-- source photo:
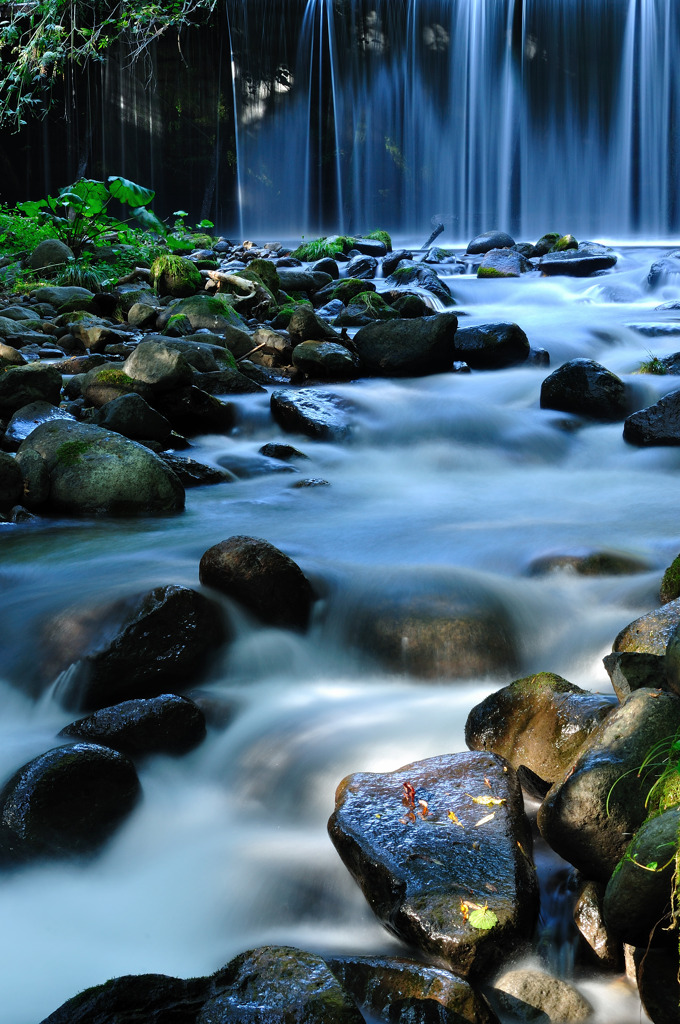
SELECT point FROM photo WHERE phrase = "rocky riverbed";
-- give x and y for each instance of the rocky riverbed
(260, 525)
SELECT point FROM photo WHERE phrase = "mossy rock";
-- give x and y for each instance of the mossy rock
(213, 312)
(321, 248)
(670, 584)
(266, 271)
(363, 308)
(175, 275)
(380, 236)
(348, 289)
(564, 243)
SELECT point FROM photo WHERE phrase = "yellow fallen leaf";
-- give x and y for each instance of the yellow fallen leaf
(455, 819)
(483, 821)
(487, 801)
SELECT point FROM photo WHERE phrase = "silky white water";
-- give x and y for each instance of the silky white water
(446, 480)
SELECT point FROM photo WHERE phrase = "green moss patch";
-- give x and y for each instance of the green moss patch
(71, 452)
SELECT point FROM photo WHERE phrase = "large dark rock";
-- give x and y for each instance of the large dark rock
(316, 413)
(491, 346)
(503, 263)
(134, 418)
(410, 276)
(90, 470)
(136, 999)
(384, 985)
(326, 360)
(65, 298)
(191, 411)
(590, 813)
(541, 721)
(656, 425)
(22, 385)
(638, 900)
(408, 348)
(424, 867)
(306, 325)
(651, 632)
(278, 985)
(586, 388)
(583, 261)
(11, 481)
(140, 646)
(631, 670)
(604, 949)
(159, 366)
(656, 973)
(666, 269)
(67, 801)
(226, 382)
(259, 576)
(487, 241)
(168, 724)
(49, 257)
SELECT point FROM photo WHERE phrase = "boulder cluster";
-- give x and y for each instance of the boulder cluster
(99, 391)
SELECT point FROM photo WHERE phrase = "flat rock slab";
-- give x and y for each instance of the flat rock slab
(590, 814)
(313, 412)
(428, 846)
(573, 263)
(536, 996)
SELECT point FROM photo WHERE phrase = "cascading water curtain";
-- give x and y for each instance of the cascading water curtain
(527, 115)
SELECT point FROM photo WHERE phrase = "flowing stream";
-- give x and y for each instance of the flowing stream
(447, 481)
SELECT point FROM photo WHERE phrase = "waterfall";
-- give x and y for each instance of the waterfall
(530, 115)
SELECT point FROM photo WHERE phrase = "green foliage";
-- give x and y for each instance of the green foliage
(322, 248)
(653, 365)
(70, 452)
(380, 236)
(41, 41)
(78, 213)
(81, 275)
(483, 918)
(115, 378)
(177, 271)
(20, 235)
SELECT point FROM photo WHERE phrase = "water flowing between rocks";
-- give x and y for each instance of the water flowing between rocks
(447, 481)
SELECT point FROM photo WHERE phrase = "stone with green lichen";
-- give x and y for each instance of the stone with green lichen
(564, 243)
(380, 236)
(266, 271)
(175, 275)
(321, 248)
(363, 308)
(670, 584)
(650, 633)
(545, 243)
(94, 471)
(540, 721)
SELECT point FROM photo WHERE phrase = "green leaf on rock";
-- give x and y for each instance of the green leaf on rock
(483, 918)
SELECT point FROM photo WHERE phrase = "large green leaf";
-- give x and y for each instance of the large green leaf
(125, 191)
(149, 220)
(93, 194)
(32, 207)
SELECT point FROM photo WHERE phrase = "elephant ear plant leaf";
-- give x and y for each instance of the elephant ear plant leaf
(79, 212)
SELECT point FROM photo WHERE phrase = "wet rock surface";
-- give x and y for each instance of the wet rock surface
(408, 347)
(659, 424)
(541, 721)
(417, 865)
(590, 813)
(650, 633)
(65, 802)
(534, 996)
(167, 724)
(586, 388)
(315, 413)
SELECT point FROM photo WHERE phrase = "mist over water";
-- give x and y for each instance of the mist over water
(447, 482)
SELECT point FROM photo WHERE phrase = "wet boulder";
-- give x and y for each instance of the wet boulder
(658, 424)
(545, 243)
(590, 563)
(167, 724)
(151, 998)
(25, 420)
(656, 974)
(256, 574)
(140, 646)
(586, 388)
(65, 802)
(299, 279)
(631, 670)
(365, 267)
(346, 289)
(487, 241)
(503, 263)
(90, 470)
(590, 813)
(326, 360)
(409, 276)
(316, 413)
(650, 633)
(384, 986)
(604, 949)
(664, 270)
(534, 996)
(541, 721)
(134, 418)
(10, 356)
(22, 385)
(49, 257)
(491, 346)
(366, 307)
(209, 312)
(226, 382)
(434, 629)
(443, 859)
(278, 985)
(408, 348)
(175, 275)
(583, 261)
(192, 473)
(66, 298)
(639, 897)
